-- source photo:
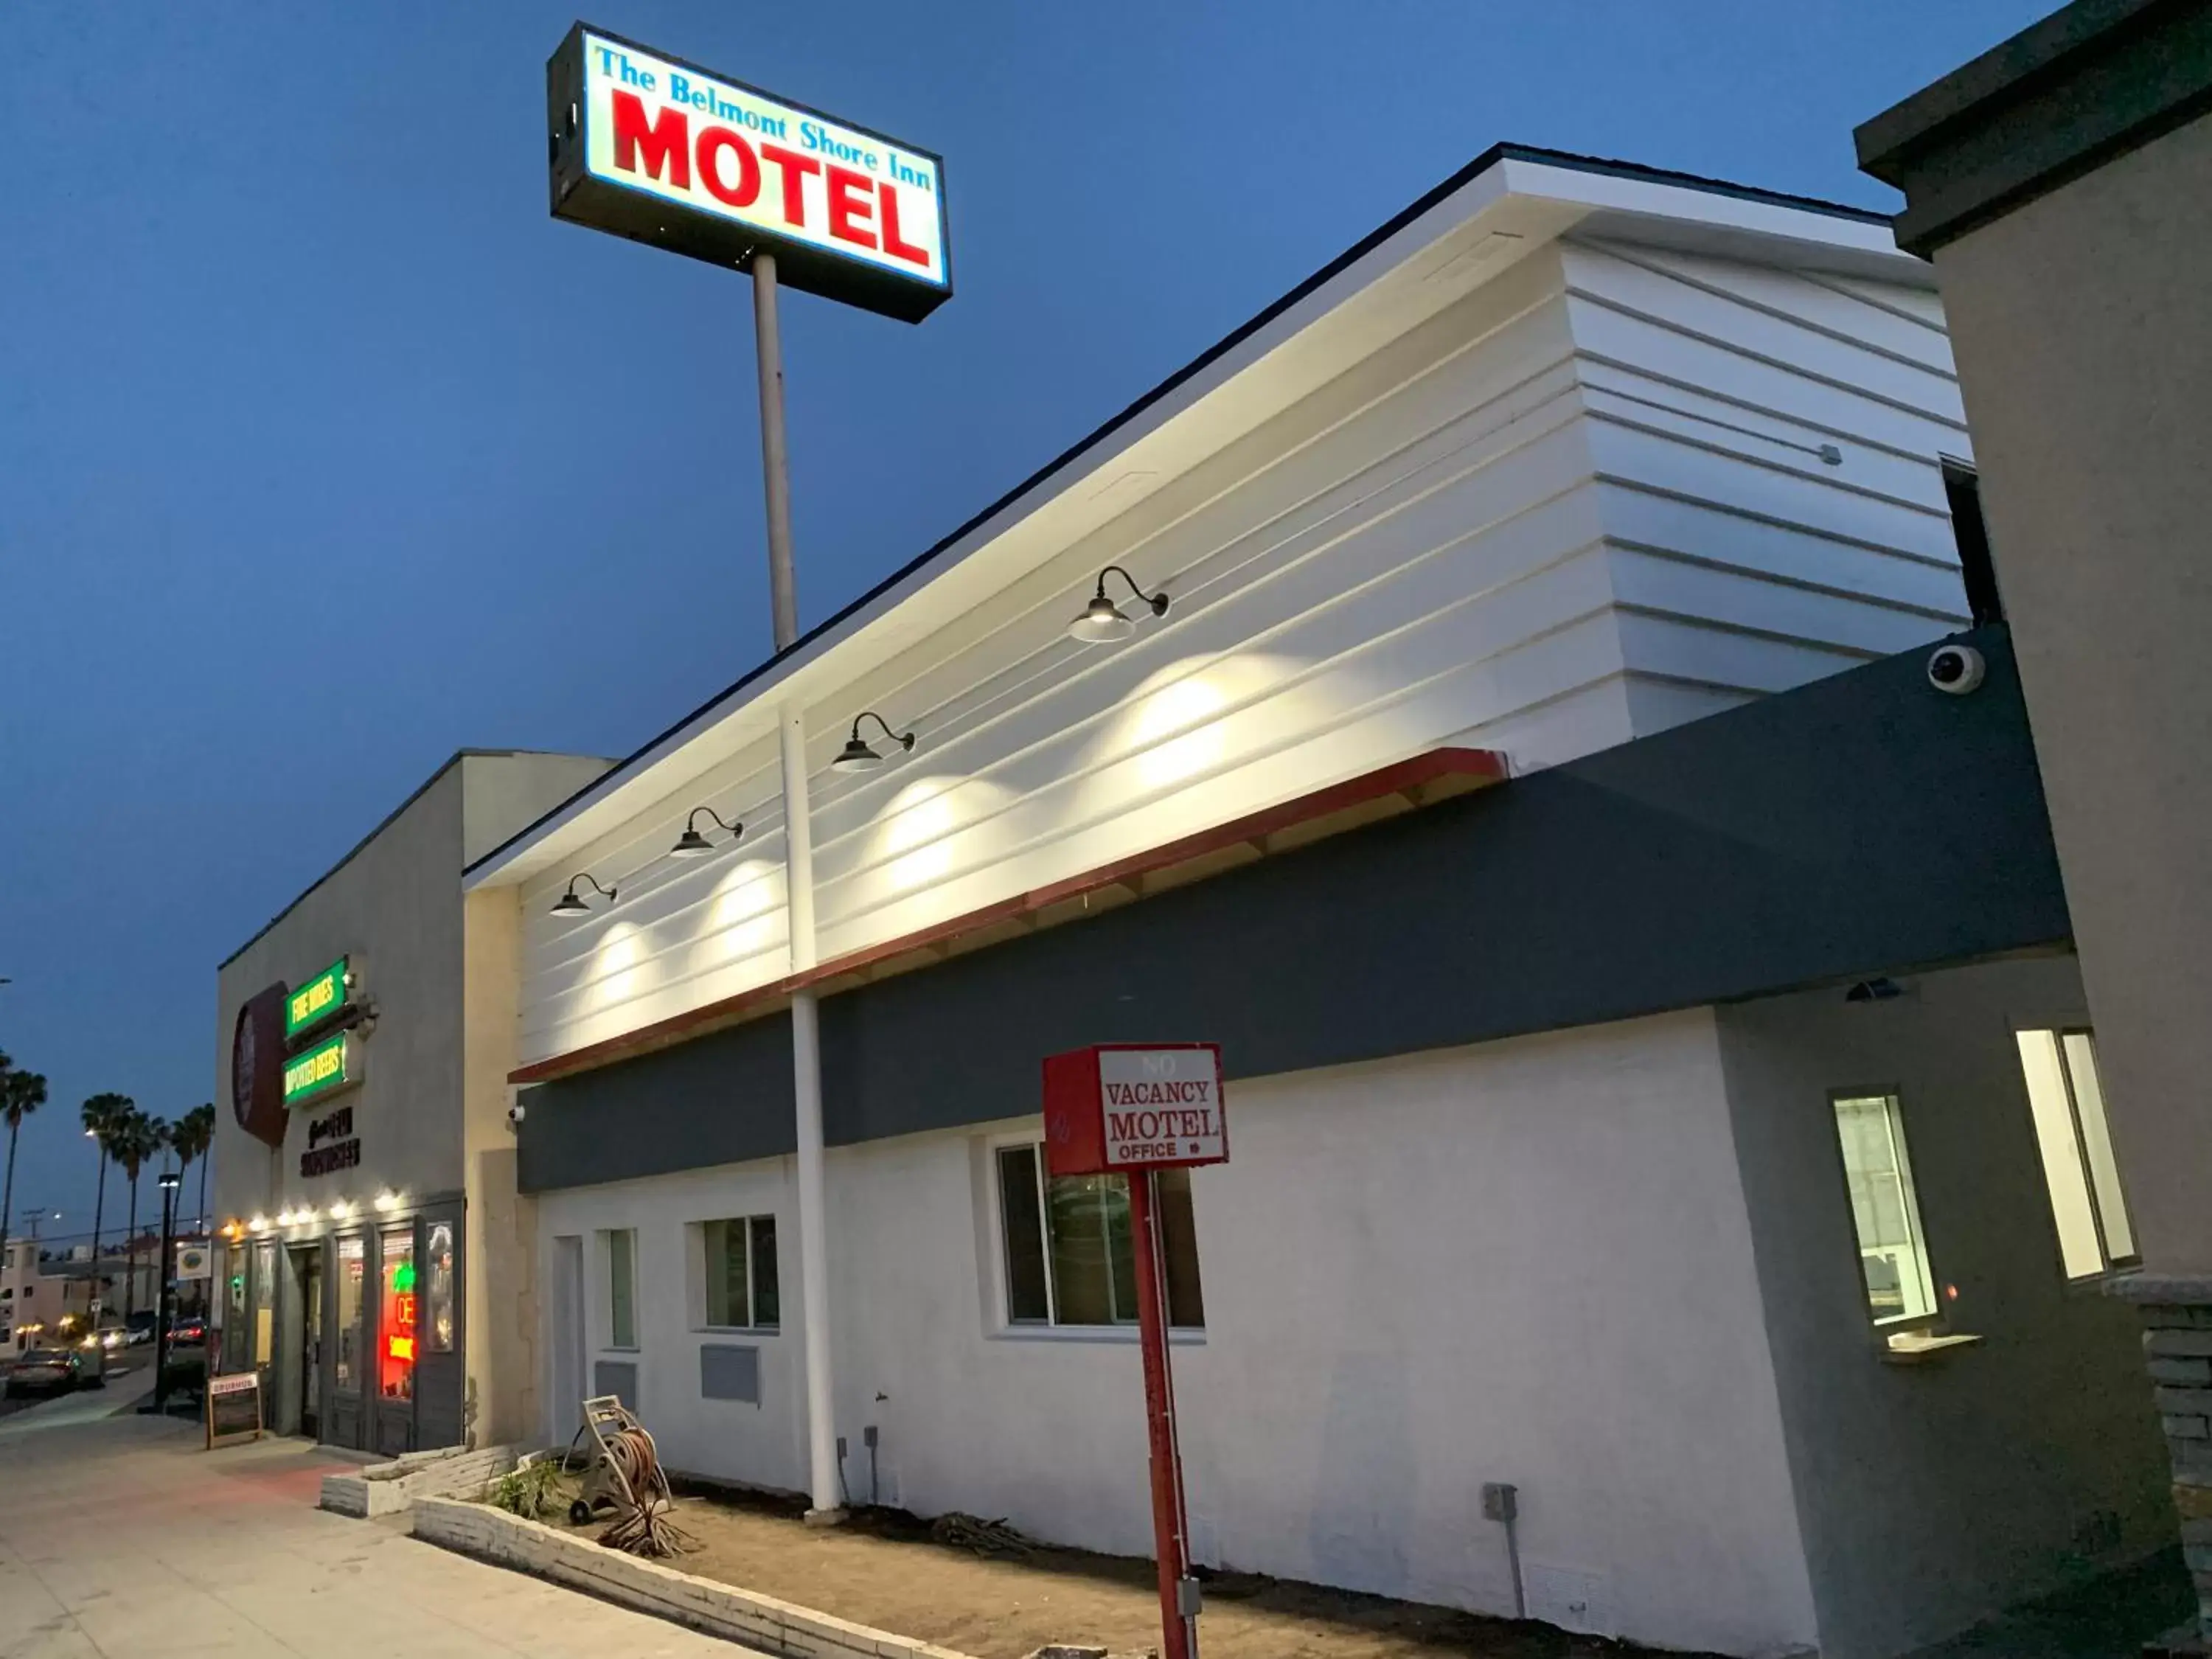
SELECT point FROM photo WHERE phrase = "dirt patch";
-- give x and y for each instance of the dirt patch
(883, 1568)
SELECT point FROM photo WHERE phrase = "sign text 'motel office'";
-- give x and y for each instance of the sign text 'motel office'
(1134, 1106)
(661, 151)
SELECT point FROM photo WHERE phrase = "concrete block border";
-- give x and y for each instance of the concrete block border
(737, 1615)
(392, 1488)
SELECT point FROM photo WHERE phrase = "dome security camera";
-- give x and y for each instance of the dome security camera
(1955, 669)
(515, 1114)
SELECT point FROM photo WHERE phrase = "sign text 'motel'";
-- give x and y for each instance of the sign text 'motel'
(1134, 1106)
(661, 151)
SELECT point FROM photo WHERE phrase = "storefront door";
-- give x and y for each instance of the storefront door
(309, 1263)
(348, 1422)
(398, 1334)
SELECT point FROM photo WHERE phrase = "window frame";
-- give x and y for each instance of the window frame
(1934, 1319)
(1050, 1329)
(696, 1247)
(606, 1240)
(2059, 1031)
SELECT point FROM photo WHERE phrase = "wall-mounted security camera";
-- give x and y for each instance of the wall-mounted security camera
(515, 1114)
(1956, 669)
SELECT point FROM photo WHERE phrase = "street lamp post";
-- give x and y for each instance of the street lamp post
(169, 1181)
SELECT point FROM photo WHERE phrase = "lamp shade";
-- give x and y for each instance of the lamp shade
(691, 845)
(857, 756)
(569, 905)
(1101, 623)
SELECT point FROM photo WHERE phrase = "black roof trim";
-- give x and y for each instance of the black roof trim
(386, 822)
(1600, 165)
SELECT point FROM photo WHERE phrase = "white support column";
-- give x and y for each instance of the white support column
(823, 1485)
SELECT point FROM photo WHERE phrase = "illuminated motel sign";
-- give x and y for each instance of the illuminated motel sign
(661, 151)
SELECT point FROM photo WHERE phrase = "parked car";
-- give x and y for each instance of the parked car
(140, 1325)
(187, 1331)
(50, 1370)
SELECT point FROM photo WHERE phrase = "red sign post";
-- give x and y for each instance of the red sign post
(1134, 1110)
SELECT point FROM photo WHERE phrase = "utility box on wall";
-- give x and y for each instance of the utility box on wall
(1123, 1106)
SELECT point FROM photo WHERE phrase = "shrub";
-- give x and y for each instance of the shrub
(532, 1493)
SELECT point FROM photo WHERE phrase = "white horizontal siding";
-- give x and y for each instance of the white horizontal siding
(1526, 525)
(1746, 560)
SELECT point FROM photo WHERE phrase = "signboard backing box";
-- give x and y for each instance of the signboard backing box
(1118, 1107)
(584, 196)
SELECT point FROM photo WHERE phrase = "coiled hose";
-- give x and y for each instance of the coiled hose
(646, 1528)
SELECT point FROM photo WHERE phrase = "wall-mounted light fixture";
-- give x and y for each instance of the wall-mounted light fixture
(572, 903)
(857, 756)
(692, 844)
(1101, 621)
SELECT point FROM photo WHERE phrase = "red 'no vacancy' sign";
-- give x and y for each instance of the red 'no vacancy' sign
(1134, 1106)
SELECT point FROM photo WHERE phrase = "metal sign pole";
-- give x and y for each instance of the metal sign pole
(1170, 1521)
(824, 1493)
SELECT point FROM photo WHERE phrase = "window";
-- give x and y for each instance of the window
(264, 1301)
(736, 1277)
(2067, 1100)
(397, 1314)
(1962, 494)
(438, 1304)
(1069, 1260)
(622, 1287)
(352, 1272)
(1893, 1251)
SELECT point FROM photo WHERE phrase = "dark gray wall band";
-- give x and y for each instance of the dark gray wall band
(1861, 825)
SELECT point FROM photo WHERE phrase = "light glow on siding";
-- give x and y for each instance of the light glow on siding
(741, 918)
(618, 965)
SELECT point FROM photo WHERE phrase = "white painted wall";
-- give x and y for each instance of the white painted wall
(1527, 1262)
(1482, 533)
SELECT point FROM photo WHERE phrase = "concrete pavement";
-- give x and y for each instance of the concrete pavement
(121, 1539)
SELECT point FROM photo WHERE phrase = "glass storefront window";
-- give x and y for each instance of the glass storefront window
(438, 1294)
(352, 1249)
(234, 1308)
(264, 1302)
(396, 1363)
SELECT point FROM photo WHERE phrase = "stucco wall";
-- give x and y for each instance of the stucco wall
(394, 906)
(1935, 1494)
(1525, 1261)
(2079, 325)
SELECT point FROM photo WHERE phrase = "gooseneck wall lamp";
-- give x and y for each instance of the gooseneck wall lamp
(692, 845)
(1103, 622)
(857, 757)
(572, 903)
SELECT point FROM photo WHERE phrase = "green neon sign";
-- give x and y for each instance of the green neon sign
(324, 1069)
(318, 999)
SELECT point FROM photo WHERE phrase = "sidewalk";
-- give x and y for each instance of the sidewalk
(121, 1539)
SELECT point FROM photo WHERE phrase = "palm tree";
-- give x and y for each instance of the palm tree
(138, 1137)
(100, 1114)
(192, 1137)
(21, 1093)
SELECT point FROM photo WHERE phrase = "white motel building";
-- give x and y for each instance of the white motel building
(1657, 1070)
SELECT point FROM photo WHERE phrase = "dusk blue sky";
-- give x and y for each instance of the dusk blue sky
(324, 451)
